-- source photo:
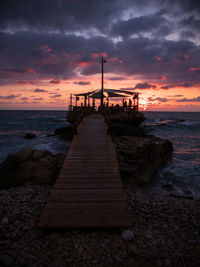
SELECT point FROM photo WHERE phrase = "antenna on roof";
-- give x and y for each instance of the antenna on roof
(103, 60)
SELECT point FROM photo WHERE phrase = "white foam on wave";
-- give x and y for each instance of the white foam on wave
(179, 171)
(190, 123)
(48, 147)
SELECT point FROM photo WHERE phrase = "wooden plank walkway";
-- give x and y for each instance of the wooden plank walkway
(88, 192)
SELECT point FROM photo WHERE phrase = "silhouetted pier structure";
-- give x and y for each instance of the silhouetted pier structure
(129, 100)
(88, 192)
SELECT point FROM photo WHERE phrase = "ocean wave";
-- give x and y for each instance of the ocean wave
(190, 123)
(181, 172)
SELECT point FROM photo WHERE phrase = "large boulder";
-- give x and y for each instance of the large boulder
(132, 118)
(140, 158)
(121, 129)
(35, 166)
(65, 133)
(30, 136)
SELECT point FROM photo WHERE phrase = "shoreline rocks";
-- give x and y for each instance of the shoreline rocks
(65, 133)
(164, 231)
(30, 136)
(35, 166)
(140, 158)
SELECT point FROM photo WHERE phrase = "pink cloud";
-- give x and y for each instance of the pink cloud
(45, 48)
(163, 78)
(97, 55)
(194, 69)
(158, 58)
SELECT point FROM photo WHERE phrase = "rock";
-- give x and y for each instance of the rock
(197, 249)
(133, 250)
(51, 134)
(151, 255)
(140, 158)
(5, 220)
(6, 260)
(120, 129)
(168, 187)
(187, 191)
(106, 241)
(30, 136)
(167, 263)
(134, 119)
(65, 133)
(35, 166)
(127, 235)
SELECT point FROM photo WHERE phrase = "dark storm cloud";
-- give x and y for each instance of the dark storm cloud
(186, 5)
(162, 99)
(48, 46)
(187, 34)
(82, 83)
(191, 22)
(62, 14)
(184, 84)
(142, 24)
(10, 96)
(145, 86)
(68, 52)
(56, 95)
(117, 78)
(55, 81)
(38, 98)
(38, 90)
(159, 99)
(196, 99)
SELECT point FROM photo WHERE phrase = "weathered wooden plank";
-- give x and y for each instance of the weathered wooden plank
(84, 223)
(62, 196)
(78, 210)
(78, 180)
(88, 192)
(62, 185)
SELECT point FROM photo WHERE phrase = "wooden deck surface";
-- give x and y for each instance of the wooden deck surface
(88, 192)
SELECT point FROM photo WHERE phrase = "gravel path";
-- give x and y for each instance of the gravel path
(165, 232)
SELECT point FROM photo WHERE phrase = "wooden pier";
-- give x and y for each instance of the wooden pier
(88, 192)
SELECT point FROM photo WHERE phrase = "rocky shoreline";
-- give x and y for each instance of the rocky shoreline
(164, 231)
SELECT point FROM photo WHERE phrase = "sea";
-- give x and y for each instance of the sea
(15, 124)
(181, 128)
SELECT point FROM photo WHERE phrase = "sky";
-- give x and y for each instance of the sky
(51, 48)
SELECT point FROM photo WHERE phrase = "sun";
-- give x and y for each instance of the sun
(143, 103)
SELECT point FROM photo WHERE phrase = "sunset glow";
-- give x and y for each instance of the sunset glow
(147, 51)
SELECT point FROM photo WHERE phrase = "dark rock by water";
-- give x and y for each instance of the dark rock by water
(30, 136)
(140, 158)
(35, 166)
(65, 133)
(134, 119)
(120, 129)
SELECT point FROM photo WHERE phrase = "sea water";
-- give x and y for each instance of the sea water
(15, 124)
(181, 128)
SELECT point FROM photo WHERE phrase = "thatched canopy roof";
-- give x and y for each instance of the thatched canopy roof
(108, 93)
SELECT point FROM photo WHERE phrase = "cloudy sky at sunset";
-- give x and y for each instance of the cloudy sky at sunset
(51, 48)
